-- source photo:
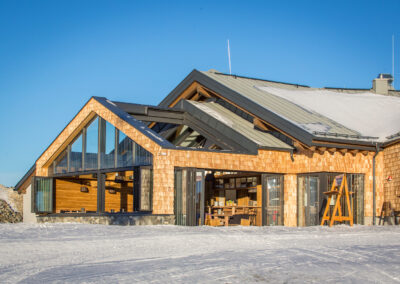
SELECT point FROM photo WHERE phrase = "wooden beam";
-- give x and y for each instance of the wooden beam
(203, 91)
(312, 148)
(321, 150)
(354, 152)
(343, 151)
(332, 150)
(365, 153)
(298, 145)
(258, 123)
(186, 93)
(196, 97)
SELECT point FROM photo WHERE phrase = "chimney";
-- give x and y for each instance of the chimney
(382, 84)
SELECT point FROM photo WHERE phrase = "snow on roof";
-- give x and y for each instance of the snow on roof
(368, 113)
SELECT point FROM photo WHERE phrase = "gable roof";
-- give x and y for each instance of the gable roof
(293, 108)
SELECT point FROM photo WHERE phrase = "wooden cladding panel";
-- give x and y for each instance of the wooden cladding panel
(68, 196)
(121, 199)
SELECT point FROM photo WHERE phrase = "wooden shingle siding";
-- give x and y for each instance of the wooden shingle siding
(392, 169)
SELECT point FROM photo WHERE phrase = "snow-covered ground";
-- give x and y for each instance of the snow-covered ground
(71, 253)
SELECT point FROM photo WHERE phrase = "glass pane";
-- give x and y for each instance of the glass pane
(43, 195)
(92, 134)
(125, 151)
(142, 157)
(313, 191)
(274, 196)
(61, 163)
(108, 151)
(198, 191)
(357, 186)
(119, 192)
(313, 209)
(146, 189)
(76, 155)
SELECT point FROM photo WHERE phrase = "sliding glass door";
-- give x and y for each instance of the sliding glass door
(189, 197)
(273, 200)
(308, 201)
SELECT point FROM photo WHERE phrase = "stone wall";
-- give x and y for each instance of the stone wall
(111, 219)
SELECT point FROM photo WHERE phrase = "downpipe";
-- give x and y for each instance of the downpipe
(374, 185)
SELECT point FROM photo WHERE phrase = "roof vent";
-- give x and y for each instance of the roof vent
(382, 84)
(213, 71)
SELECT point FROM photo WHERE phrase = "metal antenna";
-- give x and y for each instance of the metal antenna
(229, 58)
(393, 56)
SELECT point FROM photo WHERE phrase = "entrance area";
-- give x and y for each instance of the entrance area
(219, 198)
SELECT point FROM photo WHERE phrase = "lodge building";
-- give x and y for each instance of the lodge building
(222, 150)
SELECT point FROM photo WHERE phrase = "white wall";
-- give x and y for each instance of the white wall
(28, 216)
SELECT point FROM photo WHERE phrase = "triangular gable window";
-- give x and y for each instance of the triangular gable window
(100, 146)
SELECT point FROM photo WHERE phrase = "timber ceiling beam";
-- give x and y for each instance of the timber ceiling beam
(258, 123)
(365, 153)
(331, 150)
(354, 152)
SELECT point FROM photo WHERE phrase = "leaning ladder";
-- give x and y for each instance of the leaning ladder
(337, 210)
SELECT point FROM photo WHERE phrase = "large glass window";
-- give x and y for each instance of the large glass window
(92, 145)
(61, 163)
(124, 150)
(107, 151)
(101, 139)
(76, 155)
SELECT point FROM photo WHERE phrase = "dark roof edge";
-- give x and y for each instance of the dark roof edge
(184, 84)
(356, 143)
(137, 124)
(350, 89)
(390, 142)
(264, 80)
(25, 177)
(140, 108)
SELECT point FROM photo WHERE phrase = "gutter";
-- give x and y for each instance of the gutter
(374, 184)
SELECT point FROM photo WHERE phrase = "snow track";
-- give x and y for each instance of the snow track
(77, 253)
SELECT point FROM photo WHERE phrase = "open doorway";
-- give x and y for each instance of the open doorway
(221, 198)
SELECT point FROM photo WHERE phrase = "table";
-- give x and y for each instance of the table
(228, 211)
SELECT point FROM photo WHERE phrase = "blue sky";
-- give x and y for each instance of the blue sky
(55, 55)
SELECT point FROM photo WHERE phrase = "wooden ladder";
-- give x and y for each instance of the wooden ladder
(337, 215)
